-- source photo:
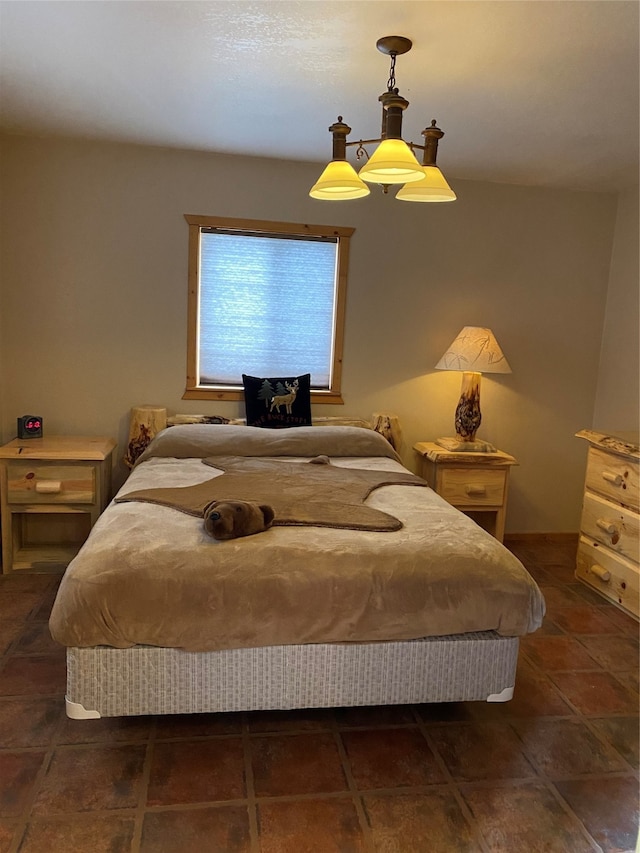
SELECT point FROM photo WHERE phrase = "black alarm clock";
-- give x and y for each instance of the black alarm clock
(30, 426)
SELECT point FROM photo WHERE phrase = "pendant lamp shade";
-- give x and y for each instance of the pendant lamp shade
(392, 163)
(339, 181)
(433, 187)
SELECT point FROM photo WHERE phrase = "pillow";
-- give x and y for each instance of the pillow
(278, 402)
(199, 441)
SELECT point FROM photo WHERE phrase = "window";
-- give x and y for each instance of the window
(266, 299)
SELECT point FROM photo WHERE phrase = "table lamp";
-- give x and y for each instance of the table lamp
(474, 351)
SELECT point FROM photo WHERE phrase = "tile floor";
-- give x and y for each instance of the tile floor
(555, 769)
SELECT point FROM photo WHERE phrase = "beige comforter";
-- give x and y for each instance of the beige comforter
(151, 575)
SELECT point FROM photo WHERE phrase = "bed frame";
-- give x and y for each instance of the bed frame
(109, 682)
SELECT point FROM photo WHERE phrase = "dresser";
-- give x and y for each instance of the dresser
(475, 483)
(52, 491)
(607, 558)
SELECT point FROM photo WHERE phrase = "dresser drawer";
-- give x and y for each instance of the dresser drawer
(611, 574)
(473, 486)
(42, 483)
(615, 526)
(613, 476)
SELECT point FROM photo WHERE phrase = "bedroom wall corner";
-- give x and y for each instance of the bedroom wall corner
(617, 404)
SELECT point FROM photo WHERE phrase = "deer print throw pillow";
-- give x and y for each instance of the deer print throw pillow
(278, 402)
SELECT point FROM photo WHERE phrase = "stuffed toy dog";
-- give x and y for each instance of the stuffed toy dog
(231, 519)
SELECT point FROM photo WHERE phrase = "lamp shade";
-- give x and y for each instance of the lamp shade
(475, 350)
(433, 187)
(339, 182)
(392, 163)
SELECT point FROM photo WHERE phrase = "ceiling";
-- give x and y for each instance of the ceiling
(533, 92)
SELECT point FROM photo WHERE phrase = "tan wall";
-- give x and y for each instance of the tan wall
(617, 400)
(93, 300)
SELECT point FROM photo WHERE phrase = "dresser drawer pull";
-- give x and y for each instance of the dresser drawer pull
(607, 526)
(475, 489)
(601, 572)
(610, 477)
(49, 487)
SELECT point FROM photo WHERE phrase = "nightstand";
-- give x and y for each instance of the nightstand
(475, 483)
(52, 491)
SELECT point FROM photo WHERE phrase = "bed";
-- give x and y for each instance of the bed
(160, 618)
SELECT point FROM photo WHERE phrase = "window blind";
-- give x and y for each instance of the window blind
(266, 306)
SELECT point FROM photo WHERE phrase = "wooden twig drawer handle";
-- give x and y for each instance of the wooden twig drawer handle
(610, 477)
(607, 526)
(476, 490)
(601, 572)
(48, 487)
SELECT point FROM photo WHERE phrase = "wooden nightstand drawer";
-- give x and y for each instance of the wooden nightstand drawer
(611, 574)
(41, 483)
(613, 476)
(473, 486)
(615, 526)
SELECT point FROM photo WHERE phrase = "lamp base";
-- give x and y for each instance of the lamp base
(459, 445)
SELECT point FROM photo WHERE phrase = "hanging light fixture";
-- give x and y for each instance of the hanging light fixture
(393, 161)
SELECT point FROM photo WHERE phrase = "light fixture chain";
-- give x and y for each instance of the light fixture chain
(391, 82)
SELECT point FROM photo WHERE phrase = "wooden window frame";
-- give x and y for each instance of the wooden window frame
(195, 391)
